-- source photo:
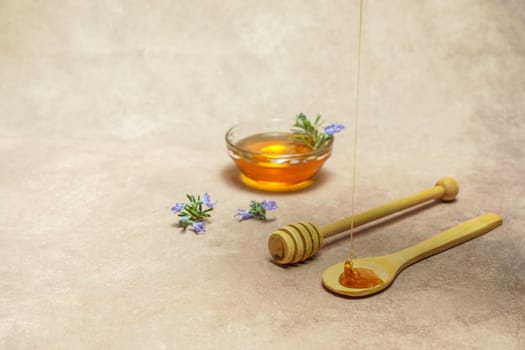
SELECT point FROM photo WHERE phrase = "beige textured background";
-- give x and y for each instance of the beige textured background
(111, 111)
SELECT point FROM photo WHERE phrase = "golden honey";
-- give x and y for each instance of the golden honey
(276, 161)
(358, 277)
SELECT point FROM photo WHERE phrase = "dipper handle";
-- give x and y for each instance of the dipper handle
(297, 242)
(445, 189)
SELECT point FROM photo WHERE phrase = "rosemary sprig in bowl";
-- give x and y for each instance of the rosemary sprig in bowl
(308, 132)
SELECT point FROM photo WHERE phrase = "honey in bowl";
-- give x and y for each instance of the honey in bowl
(274, 160)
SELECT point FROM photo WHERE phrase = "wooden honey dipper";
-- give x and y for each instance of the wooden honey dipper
(297, 242)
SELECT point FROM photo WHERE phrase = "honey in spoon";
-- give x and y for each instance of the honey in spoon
(358, 277)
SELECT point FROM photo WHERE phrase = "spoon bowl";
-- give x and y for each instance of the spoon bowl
(387, 267)
(380, 265)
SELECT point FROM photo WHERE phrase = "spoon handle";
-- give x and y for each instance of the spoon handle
(447, 239)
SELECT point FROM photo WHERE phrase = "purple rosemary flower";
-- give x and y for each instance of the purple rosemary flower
(207, 200)
(333, 128)
(177, 208)
(269, 205)
(198, 226)
(244, 214)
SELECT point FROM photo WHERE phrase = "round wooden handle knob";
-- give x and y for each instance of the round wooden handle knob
(451, 188)
(295, 242)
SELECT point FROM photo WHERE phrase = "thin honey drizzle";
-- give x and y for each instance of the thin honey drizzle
(357, 277)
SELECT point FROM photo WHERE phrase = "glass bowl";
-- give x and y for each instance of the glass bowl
(270, 158)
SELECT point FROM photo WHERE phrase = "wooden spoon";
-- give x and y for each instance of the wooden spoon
(387, 267)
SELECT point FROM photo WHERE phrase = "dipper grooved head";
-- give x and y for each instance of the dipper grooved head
(295, 242)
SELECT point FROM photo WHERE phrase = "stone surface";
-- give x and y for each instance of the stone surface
(111, 111)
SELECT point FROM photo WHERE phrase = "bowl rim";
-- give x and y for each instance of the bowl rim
(326, 148)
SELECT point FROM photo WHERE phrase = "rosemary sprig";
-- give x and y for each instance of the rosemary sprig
(257, 210)
(193, 213)
(308, 132)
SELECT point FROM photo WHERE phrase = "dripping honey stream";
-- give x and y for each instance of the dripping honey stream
(351, 276)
